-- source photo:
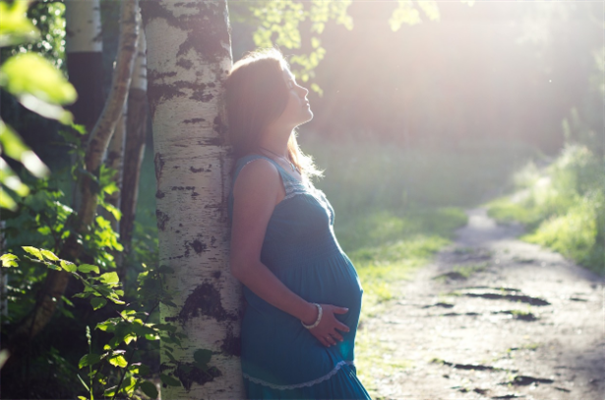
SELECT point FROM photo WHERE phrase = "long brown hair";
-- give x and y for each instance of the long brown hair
(255, 95)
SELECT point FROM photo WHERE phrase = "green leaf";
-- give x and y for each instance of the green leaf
(89, 359)
(169, 380)
(107, 326)
(110, 278)
(9, 260)
(118, 361)
(116, 300)
(34, 252)
(49, 255)
(9, 179)
(86, 268)
(115, 212)
(202, 357)
(47, 110)
(16, 28)
(69, 267)
(129, 338)
(67, 301)
(97, 302)
(14, 148)
(7, 202)
(47, 83)
(149, 389)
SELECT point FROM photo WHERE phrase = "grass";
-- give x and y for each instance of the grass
(562, 206)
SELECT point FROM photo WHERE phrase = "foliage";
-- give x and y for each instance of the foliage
(38, 86)
(111, 368)
(563, 205)
(278, 24)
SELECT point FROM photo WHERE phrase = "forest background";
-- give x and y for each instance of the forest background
(420, 112)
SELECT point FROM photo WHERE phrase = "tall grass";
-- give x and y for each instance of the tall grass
(563, 205)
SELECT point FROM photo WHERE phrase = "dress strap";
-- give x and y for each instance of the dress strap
(292, 186)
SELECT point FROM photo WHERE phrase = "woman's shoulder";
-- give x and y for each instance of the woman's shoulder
(255, 171)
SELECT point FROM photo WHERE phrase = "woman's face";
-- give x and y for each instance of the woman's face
(297, 111)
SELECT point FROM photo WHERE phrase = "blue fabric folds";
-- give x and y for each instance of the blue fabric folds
(280, 358)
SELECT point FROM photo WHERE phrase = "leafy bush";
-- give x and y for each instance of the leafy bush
(563, 205)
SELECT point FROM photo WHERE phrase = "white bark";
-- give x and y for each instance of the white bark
(139, 74)
(105, 126)
(189, 56)
(83, 22)
(115, 160)
(136, 133)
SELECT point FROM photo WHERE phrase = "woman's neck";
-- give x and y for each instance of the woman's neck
(276, 144)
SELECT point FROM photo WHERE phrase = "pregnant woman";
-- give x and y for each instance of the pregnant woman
(303, 295)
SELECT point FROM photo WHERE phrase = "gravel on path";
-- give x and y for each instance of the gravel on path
(492, 318)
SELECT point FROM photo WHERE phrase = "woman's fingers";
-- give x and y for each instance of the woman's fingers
(340, 310)
(342, 327)
(337, 336)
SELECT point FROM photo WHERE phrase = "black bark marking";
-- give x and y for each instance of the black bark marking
(232, 345)
(182, 188)
(203, 97)
(219, 127)
(215, 141)
(193, 120)
(195, 194)
(190, 372)
(198, 246)
(216, 274)
(158, 90)
(196, 170)
(183, 62)
(162, 219)
(159, 194)
(159, 165)
(207, 35)
(205, 300)
(212, 241)
(207, 31)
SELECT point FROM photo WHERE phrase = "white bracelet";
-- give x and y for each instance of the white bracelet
(319, 314)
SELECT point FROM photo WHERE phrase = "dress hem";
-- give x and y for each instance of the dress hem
(300, 385)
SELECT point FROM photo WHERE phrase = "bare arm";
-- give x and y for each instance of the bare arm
(257, 190)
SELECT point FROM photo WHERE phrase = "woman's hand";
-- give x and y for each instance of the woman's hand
(327, 332)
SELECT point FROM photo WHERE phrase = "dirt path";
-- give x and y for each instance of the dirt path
(493, 318)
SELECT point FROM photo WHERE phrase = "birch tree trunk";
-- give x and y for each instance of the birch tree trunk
(115, 160)
(189, 56)
(136, 134)
(84, 51)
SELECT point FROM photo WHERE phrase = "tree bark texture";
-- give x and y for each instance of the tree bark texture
(56, 281)
(84, 52)
(136, 133)
(188, 58)
(114, 159)
(105, 126)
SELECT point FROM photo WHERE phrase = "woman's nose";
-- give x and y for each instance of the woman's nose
(303, 90)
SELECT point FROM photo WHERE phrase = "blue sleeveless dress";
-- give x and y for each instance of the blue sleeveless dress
(280, 358)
